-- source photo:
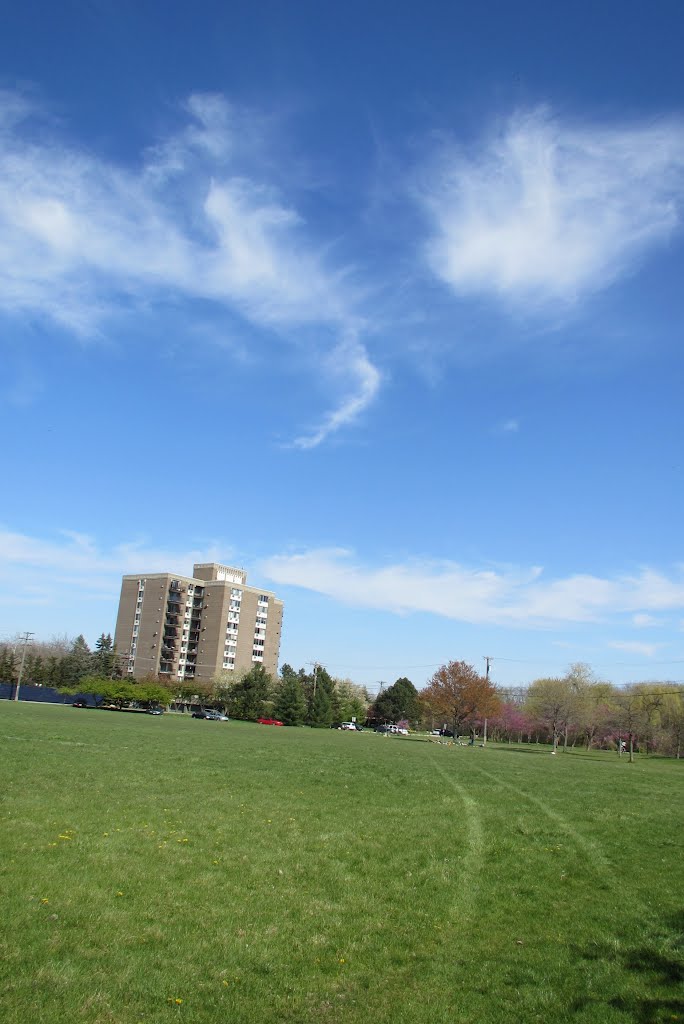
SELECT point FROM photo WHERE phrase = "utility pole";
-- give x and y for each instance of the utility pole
(488, 658)
(316, 667)
(26, 638)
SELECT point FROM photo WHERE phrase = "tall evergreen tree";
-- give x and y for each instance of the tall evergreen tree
(8, 665)
(103, 658)
(290, 705)
(77, 663)
(320, 713)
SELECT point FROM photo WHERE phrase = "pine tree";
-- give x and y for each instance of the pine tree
(76, 664)
(321, 713)
(8, 666)
(290, 705)
(103, 659)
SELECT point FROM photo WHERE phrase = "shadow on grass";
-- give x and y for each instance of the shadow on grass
(661, 979)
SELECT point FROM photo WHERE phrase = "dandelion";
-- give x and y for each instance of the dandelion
(44, 900)
(119, 894)
(226, 983)
(342, 960)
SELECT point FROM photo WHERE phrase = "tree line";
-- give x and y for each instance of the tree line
(578, 709)
(575, 709)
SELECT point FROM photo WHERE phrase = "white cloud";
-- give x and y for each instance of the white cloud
(641, 620)
(544, 211)
(521, 597)
(634, 647)
(351, 362)
(38, 570)
(80, 234)
(69, 568)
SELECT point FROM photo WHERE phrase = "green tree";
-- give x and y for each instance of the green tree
(75, 665)
(152, 694)
(248, 694)
(673, 718)
(34, 673)
(321, 711)
(324, 706)
(8, 666)
(399, 701)
(548, 701)
(290, 702)
(354, 700)
(103, 661)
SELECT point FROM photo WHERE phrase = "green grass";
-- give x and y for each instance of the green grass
(262, 874)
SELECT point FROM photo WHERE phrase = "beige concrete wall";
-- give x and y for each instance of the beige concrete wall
(273, 633)
(214, 615)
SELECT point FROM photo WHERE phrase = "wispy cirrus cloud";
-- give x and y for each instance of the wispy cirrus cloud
(349, 362)
(635, 647)
(541, 211)
(198, 218)
(513, 597)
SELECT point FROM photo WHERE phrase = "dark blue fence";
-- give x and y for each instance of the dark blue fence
(43, 695)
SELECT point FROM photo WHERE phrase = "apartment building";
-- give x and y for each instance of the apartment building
(193, 627)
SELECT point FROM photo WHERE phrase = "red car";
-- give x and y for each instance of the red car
(269, 721)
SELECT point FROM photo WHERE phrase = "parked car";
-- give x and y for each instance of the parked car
(212, 716)
(155, 711)
(269, 721)
(80, 704)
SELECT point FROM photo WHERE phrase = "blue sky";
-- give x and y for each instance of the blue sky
(380, 301)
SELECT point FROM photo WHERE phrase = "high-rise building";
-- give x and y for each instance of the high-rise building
(193, 627)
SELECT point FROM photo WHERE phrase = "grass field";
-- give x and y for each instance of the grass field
(168, 869)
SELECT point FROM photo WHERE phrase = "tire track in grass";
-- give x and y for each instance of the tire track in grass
(473, 858)
(600, 864)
